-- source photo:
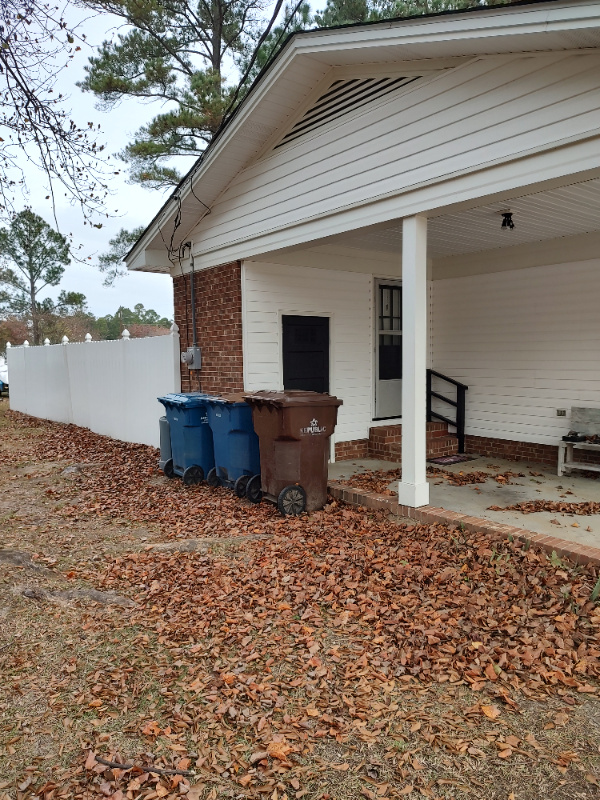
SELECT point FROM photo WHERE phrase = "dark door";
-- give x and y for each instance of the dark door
(306, 353)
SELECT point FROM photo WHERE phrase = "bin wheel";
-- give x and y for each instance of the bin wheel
(291, 500)
(168, 470)
(213, 479)
(253, 489)
(193, 475)
(240, 485)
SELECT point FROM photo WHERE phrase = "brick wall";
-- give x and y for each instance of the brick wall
(385, 443)
(218, 326)
(346, 451)
(523, 451)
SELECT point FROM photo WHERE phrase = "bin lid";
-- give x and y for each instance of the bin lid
(234, 398)
(188, 400)
(293, 397)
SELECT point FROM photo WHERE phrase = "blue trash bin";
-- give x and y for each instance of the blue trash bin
(192, 453)
(237, 457)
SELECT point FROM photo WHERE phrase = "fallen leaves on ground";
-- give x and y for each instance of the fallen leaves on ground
(378, 480)
(373, 480)
(121, 480)
(321, 631)
(478, 476)
(586, 508)
(332, 632)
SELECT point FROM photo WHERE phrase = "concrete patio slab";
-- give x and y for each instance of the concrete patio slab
(475, 500)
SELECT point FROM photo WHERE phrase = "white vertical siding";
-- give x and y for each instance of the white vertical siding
(526, 342)
(270, 290)
(109, 387)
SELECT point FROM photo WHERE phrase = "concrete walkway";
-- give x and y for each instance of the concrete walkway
(475, 500)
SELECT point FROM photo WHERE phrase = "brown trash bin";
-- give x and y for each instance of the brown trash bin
(293, 429)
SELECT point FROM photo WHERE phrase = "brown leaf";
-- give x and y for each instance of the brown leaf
(279, 750)
(491, 712)
(152, 728)
(258, 756)
(530, 739)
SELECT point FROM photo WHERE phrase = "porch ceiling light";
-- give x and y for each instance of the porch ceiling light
(507, 221)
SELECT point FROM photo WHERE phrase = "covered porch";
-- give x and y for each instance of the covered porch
(509, 312)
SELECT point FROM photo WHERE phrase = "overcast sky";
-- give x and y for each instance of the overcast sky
(136, 206)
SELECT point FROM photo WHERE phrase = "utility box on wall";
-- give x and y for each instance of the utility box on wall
(192, 357)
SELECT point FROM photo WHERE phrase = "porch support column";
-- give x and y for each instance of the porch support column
(413, 489)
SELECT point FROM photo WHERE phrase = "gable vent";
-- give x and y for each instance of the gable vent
(341, 98)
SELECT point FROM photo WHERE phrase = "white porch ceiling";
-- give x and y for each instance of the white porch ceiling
(566, 211)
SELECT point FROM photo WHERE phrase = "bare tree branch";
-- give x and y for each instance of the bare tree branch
(35, 126)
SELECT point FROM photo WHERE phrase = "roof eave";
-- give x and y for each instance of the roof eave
(294, 43)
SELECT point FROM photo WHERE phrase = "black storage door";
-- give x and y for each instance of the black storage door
(306, 353)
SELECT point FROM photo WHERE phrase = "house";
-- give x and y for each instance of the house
(397, 197)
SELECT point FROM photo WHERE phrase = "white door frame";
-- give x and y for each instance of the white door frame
(384, 280)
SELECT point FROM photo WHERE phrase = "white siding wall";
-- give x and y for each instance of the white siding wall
(271, 290)
(109, 387)
(526, 343)
(491, 110)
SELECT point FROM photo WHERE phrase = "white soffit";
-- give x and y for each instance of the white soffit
(567, 211)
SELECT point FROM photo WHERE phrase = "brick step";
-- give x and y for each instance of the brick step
(385, 442)
(442, 446)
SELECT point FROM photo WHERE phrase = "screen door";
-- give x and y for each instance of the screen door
(388, 379)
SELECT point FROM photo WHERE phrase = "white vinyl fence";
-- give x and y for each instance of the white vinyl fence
(109, 387)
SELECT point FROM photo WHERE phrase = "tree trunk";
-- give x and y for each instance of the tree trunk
(217, 29)
(34, 314)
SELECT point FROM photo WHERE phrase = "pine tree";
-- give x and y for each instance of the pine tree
(174, 53)
(34, 256)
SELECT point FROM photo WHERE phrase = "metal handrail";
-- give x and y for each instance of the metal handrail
(459, 404)
(447, 379)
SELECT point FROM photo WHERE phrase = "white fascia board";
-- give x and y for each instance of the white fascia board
(571, 163)
(501, 21)
(504, 29)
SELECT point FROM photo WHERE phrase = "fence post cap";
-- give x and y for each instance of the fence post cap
(65, 340)
(126, 334)
(174, 329)
(88, 337)
(25, 343)
(46, 342)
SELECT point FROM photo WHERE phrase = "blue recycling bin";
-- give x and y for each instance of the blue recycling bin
(189, 436)
(237, 457)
